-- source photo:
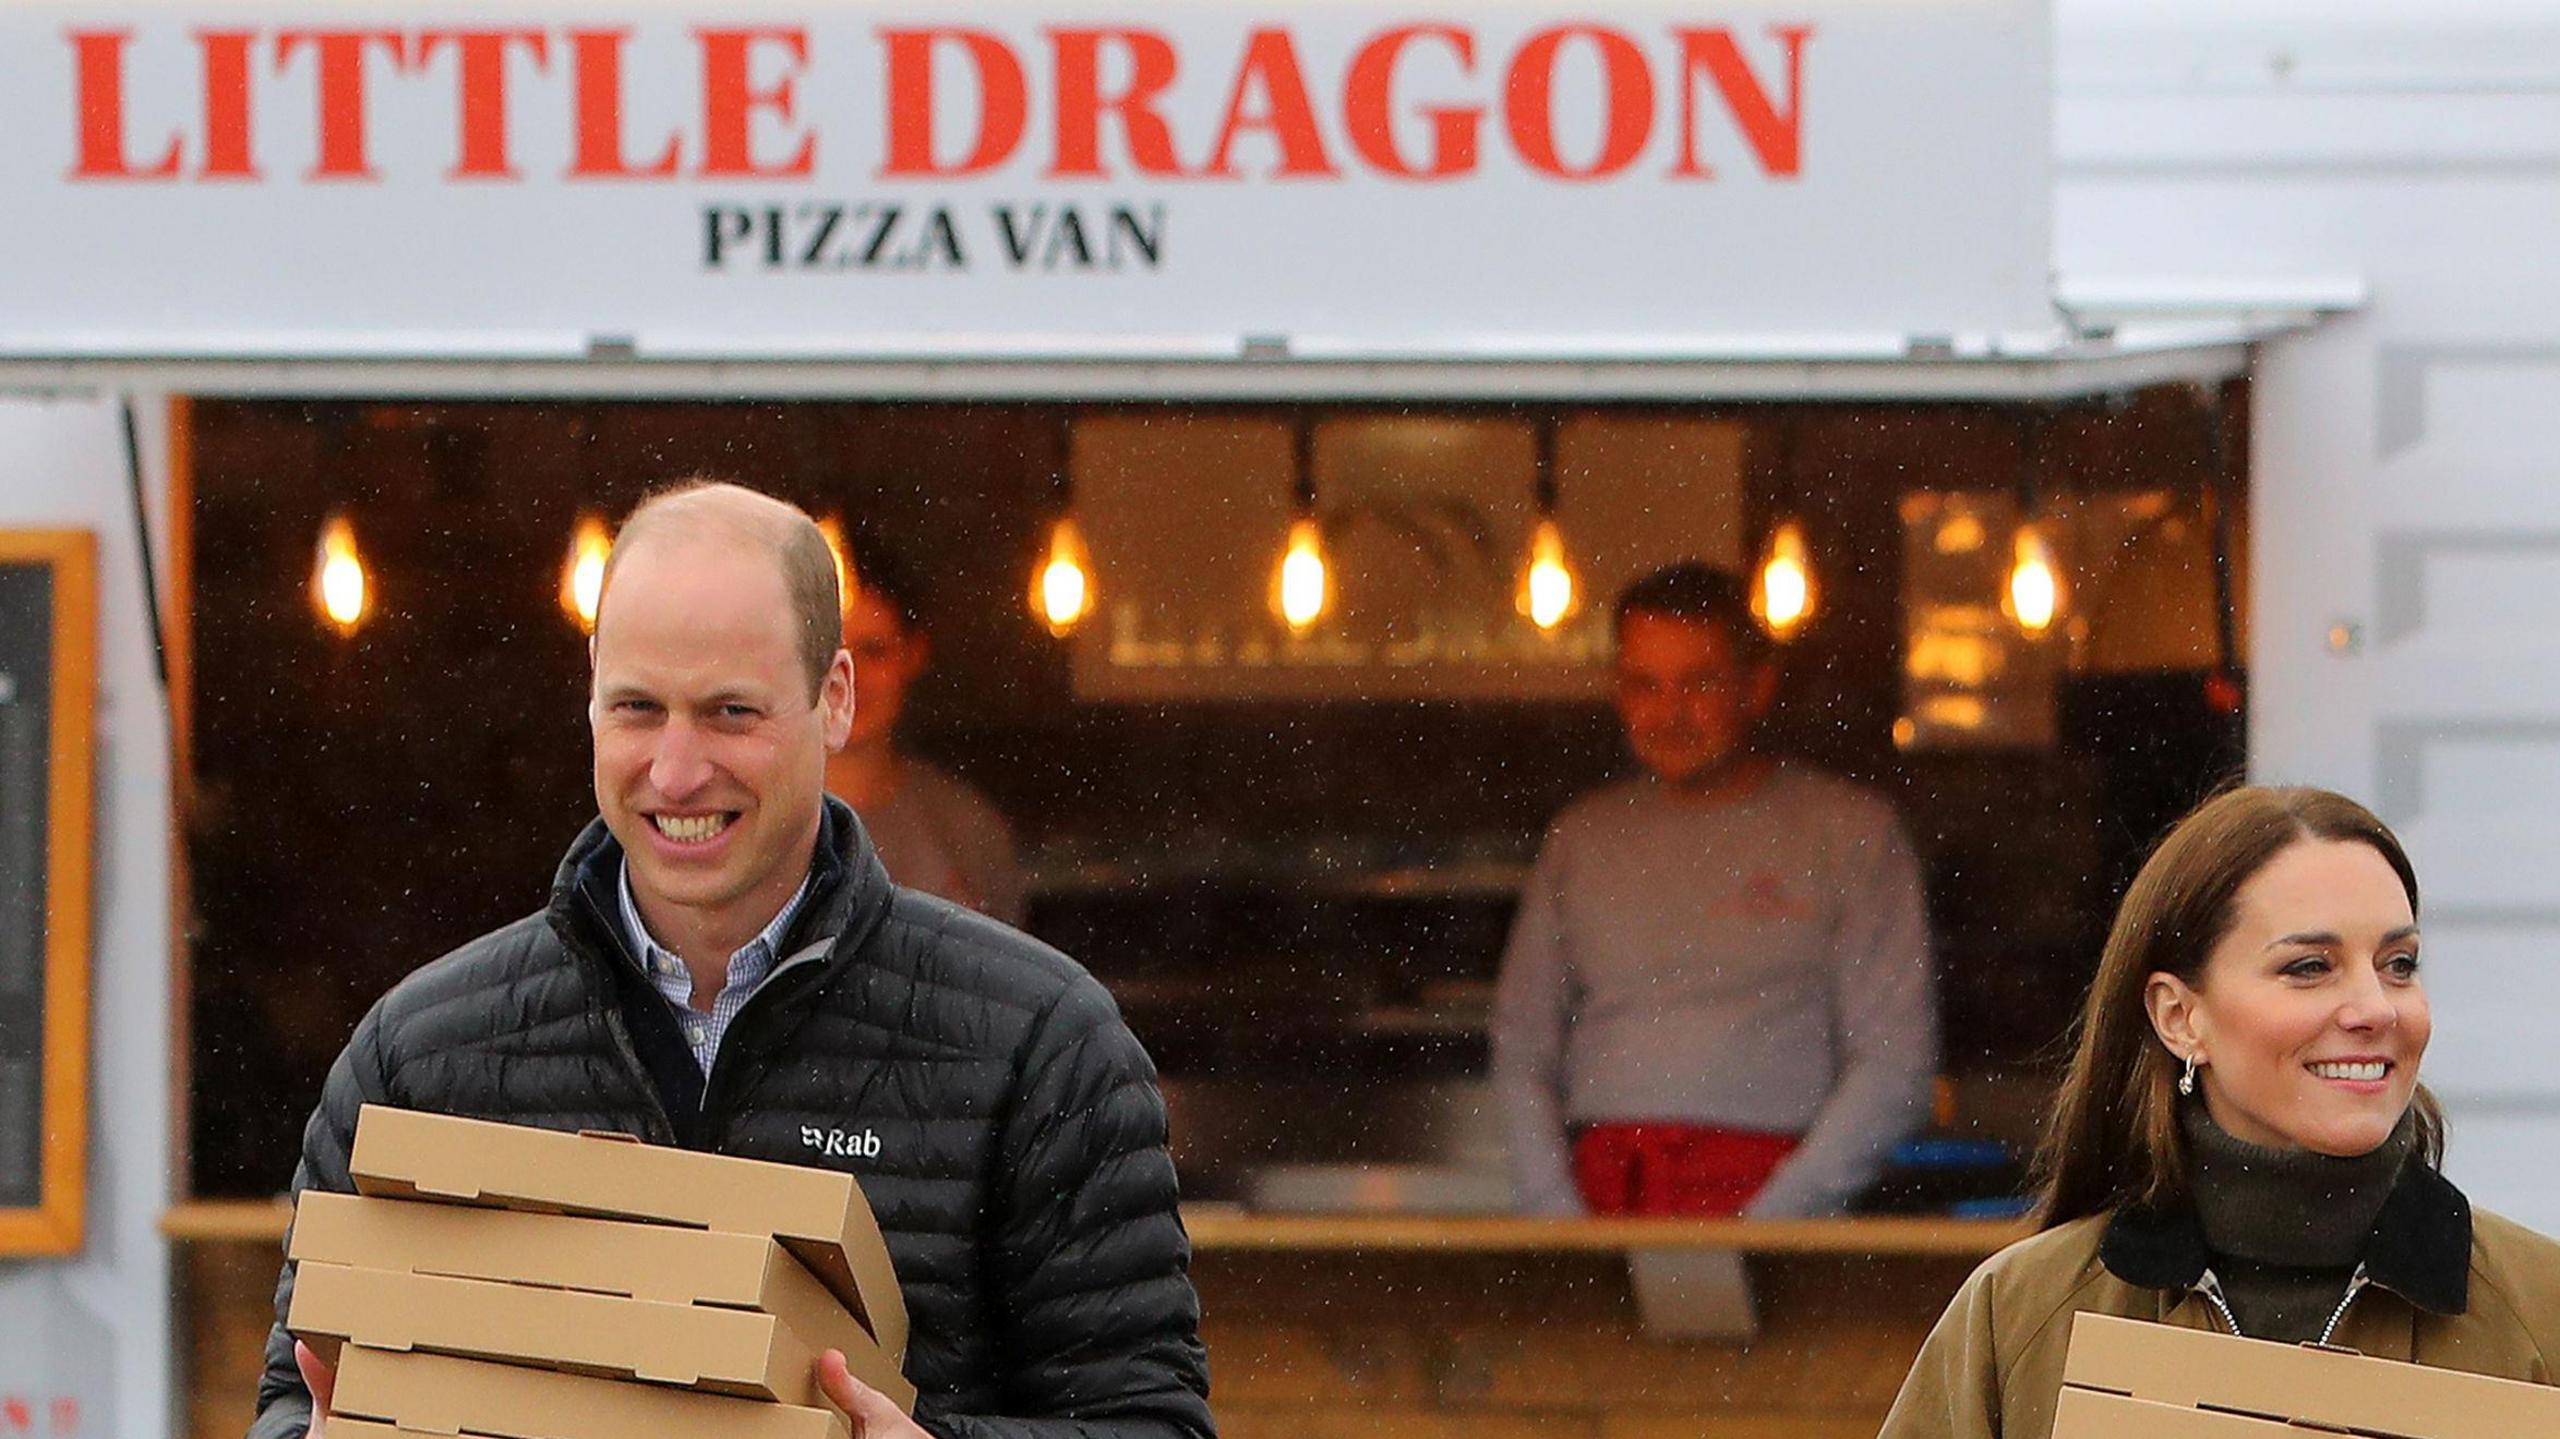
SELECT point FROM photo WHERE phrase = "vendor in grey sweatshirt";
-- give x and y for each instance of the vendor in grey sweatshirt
(1729, 941)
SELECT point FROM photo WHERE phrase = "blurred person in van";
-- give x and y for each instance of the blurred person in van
(1718, 995)
(935, 831)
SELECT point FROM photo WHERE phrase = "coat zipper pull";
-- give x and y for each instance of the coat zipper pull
(2210, 1286)
(2355, 1286)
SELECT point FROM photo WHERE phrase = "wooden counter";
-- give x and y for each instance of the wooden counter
(227, 1221)
(1223, 1228)
(1216, 1227)
(1401, 1326)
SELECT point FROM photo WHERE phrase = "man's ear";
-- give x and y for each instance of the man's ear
(836, 701)
(2176, 1015)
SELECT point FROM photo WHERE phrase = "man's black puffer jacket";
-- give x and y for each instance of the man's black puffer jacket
(1021, 1178)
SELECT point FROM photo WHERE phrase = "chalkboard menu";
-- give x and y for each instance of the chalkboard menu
(48, 687)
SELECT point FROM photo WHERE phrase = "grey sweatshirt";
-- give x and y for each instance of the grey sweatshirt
(1759, 963)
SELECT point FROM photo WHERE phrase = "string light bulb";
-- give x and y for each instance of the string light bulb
(340, 586)
(2033, 596)
(1302, 585)
(1062, 587)
(1062, 590)
(848, 580)
(1783, 593)
(582, 578)
(1550, 591)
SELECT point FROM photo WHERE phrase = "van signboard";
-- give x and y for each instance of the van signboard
(825, 179)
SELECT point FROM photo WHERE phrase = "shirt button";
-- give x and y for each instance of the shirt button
(693, 1034)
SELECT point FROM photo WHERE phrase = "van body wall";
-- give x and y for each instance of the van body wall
(2405, 475)
(85, 1342)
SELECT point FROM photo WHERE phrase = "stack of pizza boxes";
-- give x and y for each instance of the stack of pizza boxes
(495, 1280)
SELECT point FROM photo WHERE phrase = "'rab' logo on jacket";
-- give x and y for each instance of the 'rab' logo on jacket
(838, 1144)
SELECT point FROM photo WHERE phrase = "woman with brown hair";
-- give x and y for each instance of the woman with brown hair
(2241, 1143)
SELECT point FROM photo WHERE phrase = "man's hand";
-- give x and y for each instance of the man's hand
(322, 1381)
(872, 1413)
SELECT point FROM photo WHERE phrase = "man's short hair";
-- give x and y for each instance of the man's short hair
(782, 529)
(1699, 592)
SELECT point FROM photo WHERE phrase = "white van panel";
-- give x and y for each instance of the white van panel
(2405, 476)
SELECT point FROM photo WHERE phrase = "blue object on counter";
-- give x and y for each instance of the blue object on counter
(2006, 1206)
(1949, 1154)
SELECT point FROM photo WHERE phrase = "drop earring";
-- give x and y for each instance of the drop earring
(2187, 1080)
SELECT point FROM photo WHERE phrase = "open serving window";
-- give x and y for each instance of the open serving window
(1291, 855)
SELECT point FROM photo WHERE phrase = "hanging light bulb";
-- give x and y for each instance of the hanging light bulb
(582, 578)
(847, 580)
(1782, 589)
(1062, 583)
(1550, 592)
(339, 584)
(1302, 586)
(2033, 597)
(1062, 589)
(1784, 592)
(1302, 583)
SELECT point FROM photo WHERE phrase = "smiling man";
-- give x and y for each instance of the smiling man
(1718, 994)
(724, 964)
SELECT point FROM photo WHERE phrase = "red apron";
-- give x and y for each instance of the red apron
(1650, 1167)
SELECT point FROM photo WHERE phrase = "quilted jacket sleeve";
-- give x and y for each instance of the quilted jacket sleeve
(1088, 1265)
(284, 1405)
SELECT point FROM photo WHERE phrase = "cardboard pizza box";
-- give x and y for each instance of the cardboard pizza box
(438, 1394)
(2131, 1379)
(367, 1429)
(596, 1256)
(2094, 1414)
(818, 1214)
(692, 1346)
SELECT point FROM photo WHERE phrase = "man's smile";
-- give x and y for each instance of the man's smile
(692, 828)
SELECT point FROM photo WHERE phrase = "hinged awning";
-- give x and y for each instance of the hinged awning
(2110, 337)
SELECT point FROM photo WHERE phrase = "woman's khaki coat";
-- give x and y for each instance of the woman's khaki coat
(2449, 1289)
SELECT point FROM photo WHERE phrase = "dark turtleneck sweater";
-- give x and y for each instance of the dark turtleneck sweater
(2286, 1227)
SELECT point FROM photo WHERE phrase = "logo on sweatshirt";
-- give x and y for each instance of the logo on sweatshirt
(1765, 897)
(840, 1143)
